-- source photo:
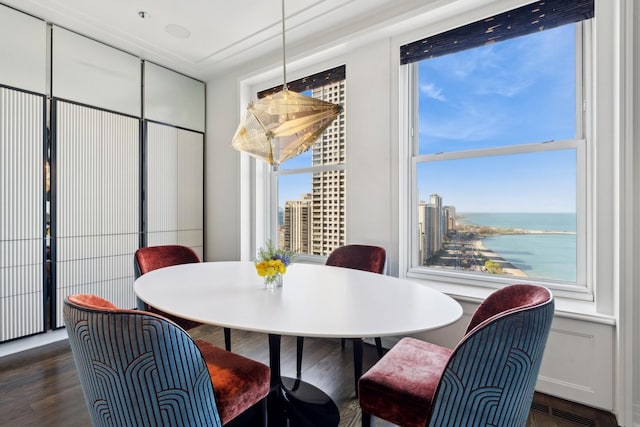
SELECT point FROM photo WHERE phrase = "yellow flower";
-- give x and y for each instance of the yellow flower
(270, 267)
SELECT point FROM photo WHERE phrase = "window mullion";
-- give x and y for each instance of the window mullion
(498, 151)
(311, 169)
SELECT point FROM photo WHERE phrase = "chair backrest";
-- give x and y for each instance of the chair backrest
(492, 372)
(137, 368)
(359, 257)
(154, 257)
(513, 297)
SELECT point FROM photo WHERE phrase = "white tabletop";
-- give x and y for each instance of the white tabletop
(315, 300)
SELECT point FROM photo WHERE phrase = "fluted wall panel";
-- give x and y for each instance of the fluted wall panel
(190, 183)
(174, 187)
(162, 185)
(97, 203)
(21, 214)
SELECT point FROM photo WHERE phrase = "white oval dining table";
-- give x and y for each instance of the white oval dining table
(314, 301)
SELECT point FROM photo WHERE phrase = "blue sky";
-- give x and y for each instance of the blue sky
(512, 92)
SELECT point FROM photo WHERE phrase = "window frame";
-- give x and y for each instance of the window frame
(273, 200)
(265, 224)
(410, 158)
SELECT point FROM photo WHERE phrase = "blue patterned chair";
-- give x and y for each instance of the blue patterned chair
(139, 369)
(488, 379)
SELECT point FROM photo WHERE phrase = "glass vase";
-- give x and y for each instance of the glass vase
(273, 281)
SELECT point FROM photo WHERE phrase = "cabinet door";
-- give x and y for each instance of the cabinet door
(23, 51)
(174, 187)
(21, 214)
(96, 203)
(173, 98)
(190, 190)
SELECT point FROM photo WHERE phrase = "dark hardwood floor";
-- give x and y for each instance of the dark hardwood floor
(39, 387)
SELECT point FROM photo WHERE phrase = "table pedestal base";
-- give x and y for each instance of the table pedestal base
(295, 403)
(300, 404)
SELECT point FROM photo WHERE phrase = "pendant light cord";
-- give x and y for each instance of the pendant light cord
(284, 59)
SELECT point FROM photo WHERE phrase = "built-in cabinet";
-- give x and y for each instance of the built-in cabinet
(22, 216)
(83, 182)
(95, 210)
(174, 197)
(22, 175)
(95, 157)
(174, 159)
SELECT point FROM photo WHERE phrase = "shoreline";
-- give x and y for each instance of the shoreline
(507, 268)
(489, 231)
(472, 237)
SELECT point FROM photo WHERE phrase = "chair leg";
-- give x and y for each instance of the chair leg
(265, 414)
(357, 361)
(366, 419)
(299, 348)
(227, 339)
(342, 343)
(379, 347)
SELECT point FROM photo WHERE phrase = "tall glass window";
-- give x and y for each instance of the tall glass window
(311, 188)
(498, 163)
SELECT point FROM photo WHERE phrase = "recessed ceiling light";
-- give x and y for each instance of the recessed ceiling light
(177, 31)
(142, 14)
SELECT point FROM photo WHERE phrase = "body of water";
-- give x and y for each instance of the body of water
(542, 256)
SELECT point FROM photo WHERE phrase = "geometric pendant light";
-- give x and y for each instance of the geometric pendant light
(284, 124)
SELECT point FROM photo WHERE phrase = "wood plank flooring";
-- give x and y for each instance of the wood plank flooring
(40, 387)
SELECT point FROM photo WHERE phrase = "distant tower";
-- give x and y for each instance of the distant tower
(449, 213)
(431, 227)
(422, 232)
(329, 188)
(435, 222)
(297, 225)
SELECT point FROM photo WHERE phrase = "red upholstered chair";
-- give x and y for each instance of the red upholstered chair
(137, 368)
(154, 257)
(357, 257)
(487, 379)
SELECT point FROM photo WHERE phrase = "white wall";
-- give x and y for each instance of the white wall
(369, 205)
(222, 172)
(581, 361)
(634, 330)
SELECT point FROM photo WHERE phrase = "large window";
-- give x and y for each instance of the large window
(499, 157)
(311, 188)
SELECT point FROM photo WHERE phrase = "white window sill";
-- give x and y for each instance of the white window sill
(564, 307)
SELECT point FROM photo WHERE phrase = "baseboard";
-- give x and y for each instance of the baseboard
(576, 413)
(33, 341)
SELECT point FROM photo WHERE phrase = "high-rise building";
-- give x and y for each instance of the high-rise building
(422, 232)
(449, 213)
(297, 230)
(435, 222)
(329, 188)
(431, 226)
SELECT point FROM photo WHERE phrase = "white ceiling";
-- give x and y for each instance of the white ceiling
(222, 33)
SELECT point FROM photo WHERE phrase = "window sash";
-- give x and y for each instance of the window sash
(466, 277)
(275, 197)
